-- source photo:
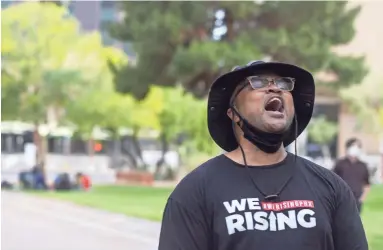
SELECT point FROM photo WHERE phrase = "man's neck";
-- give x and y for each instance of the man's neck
(255, 156)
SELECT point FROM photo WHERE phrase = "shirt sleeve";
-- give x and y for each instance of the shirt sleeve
(183, 229)
(348, 231)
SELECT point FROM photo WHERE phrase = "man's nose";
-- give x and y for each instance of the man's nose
(272, 88)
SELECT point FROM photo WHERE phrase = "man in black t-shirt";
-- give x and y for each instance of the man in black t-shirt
(258, 196)
(354, 172)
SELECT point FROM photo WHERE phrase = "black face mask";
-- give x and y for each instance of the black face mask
(267, 142)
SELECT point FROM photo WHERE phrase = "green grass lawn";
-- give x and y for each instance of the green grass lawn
(148, 203)
(372, 215)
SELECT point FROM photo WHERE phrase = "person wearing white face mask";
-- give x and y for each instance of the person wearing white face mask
(353, 171)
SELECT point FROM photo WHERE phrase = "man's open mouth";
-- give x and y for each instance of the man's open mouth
(275, 104)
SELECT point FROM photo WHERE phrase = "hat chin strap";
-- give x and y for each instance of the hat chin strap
(267, 142)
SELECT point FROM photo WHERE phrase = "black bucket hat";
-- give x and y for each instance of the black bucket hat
(220, 125)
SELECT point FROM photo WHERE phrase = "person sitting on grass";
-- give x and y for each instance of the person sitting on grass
(83, 182)
(62, 182)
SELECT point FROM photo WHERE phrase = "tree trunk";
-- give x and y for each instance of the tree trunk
(137, 146)
(116, 154)
(132, 160)
(126, 150)
(41, 146)
(39, 142)
(164, 149)
(91, 146)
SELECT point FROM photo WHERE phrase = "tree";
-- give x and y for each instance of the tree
(100, 105)
(174, 118)
(94, 102)
(366, 101)
(27, 56)
(322, 131)
(193, 42)
(182, 122)
(113, 111)
(44, 59)
(144, 116)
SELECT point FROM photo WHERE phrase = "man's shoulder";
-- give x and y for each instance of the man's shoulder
(195, 182)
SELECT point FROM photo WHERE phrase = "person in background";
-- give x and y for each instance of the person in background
(6, 185)
(39, 178)
(83, 181)
(26, 179)
(354, 172)
(62, 182)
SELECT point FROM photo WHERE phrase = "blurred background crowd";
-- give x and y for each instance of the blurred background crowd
(116, 91)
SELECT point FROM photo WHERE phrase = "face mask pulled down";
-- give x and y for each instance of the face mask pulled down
(267, 142)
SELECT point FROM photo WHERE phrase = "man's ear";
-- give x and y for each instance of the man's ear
(232, 115)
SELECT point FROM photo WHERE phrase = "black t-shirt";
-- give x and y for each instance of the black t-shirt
(355, 174)
(217, 207)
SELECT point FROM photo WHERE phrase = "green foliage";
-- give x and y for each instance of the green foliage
(179, 113)
(173, 118)
(48, 63)
(180, 42)
(197, 129)
(366, 101)
(99, 104)
(321, 130)
(36, 44)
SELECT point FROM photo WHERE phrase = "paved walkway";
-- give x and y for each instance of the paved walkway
(31, 223)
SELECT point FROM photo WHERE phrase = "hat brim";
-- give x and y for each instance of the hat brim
(220, 125)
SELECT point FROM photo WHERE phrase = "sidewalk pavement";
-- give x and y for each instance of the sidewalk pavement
(33, 223)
